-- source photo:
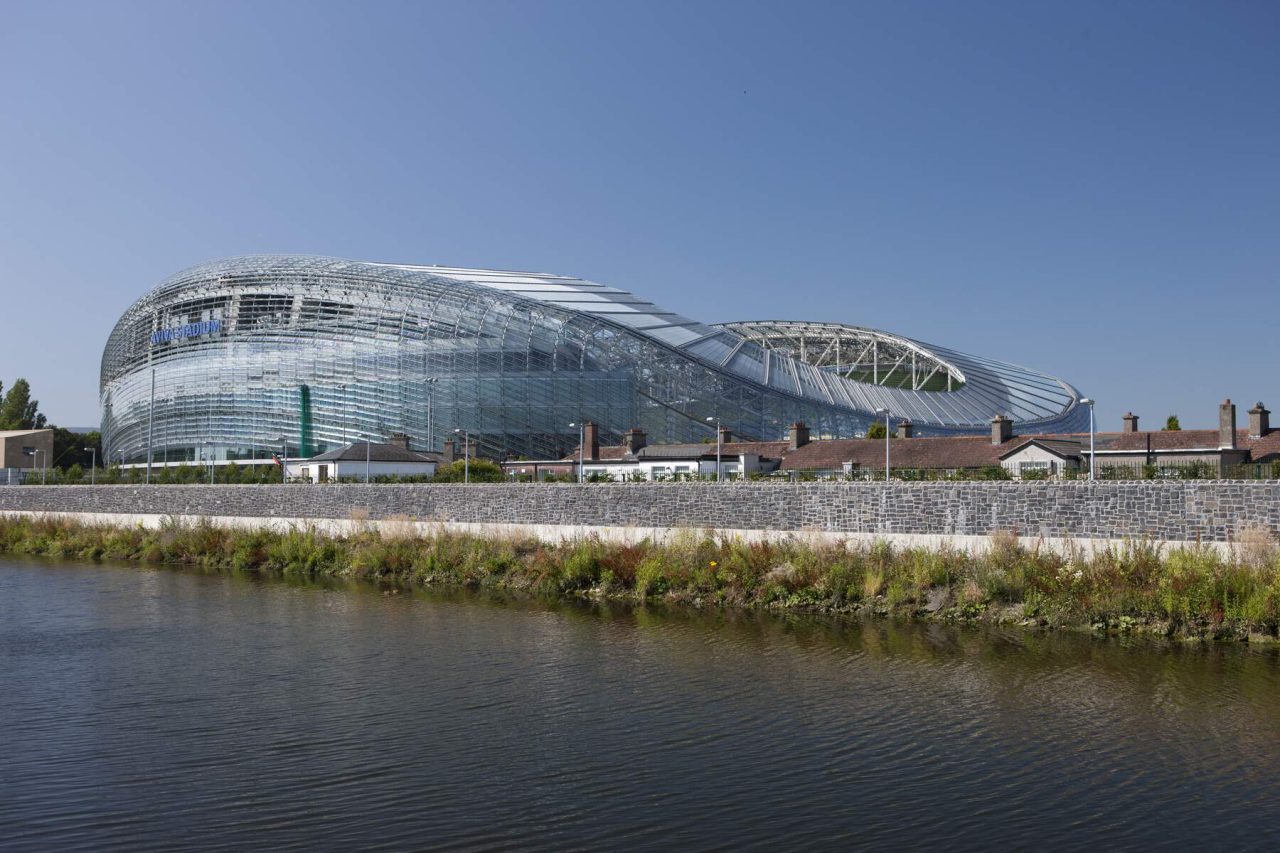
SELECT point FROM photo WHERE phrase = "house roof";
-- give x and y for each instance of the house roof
(968, 451)
(1261, 449)
(946, 452)
(1065, 448)
(1170, 440)
(355, 452)
(1264, 449)
(618, 452)
(14, 433)
(608, 453)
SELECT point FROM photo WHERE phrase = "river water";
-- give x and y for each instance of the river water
(155, 708)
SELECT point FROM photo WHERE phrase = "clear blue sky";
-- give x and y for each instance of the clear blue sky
(1091, 189)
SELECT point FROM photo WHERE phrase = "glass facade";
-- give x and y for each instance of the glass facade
(241, 358)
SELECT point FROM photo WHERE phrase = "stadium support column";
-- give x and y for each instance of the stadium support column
(304, 421)
(151, 422)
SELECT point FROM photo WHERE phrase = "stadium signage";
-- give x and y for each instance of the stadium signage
(190, 330)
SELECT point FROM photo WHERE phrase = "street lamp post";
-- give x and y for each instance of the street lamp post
(344, 404)
(151, 423)
(885, 412)
(1093, 460)
(466, 455)
(581, 459)
(93, 465)
(431, 393)
(284, 459)
(718, 437)
(34, 453)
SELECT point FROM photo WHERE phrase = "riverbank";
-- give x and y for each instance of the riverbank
(1191, 592)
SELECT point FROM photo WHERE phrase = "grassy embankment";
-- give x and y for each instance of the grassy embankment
(1192, 592)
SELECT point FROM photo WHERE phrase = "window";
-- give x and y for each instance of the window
(1034, 469)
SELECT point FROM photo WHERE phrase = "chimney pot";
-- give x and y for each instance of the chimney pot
(799, 435)
(399, 439)
(1227, 425)
(904, 429)
(634, 440)
(447, 451)
(1001, 429)
(1130, 422)
(1259, 421)
(725, 435)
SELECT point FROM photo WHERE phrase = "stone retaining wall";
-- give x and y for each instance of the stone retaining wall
(1181, 511)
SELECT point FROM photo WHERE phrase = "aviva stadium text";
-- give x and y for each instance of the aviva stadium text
(190, 330)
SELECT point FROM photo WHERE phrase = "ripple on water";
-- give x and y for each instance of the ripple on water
(157, 709)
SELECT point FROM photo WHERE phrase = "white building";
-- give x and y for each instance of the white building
(1048, 458)
(362, 459)
(677, 462)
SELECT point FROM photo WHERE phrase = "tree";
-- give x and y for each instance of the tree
(19, 411)
(69, 448)
(482, 471)
(1171, 424)
(877, 430)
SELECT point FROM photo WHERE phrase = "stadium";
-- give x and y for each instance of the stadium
(237, 359)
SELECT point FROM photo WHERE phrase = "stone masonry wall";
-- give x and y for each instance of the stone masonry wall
(1211, 511)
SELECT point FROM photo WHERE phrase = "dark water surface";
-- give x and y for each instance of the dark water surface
(161, 709)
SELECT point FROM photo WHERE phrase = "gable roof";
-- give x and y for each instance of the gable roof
(1063, 448)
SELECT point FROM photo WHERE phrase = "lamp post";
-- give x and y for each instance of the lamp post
(885, 412)
(431, 388)
(343, 387)
(1088, 401)
(151, 423)
(284, 458)
(718, 436)
(93, 465)
(581, 459)
(466, 454)
(34, 453)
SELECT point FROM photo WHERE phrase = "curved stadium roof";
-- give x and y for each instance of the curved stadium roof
(250, 352)
(834, 363)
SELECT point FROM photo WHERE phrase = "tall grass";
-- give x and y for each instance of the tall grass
(1191, 591)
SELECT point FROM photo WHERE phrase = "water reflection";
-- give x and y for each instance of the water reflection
(150, 708)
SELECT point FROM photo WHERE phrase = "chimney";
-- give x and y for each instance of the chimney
(447, 452)
(904, 429)
(634, 439)
(1130, 422)
(1259, 421)
(725, 435)
(399, 439)
(1001, 429)
(799, 435)
(1227, 425)
(591, 438)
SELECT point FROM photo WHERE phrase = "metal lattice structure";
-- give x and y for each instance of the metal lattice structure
(854, 352)
(237, 358)
(936, 388)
